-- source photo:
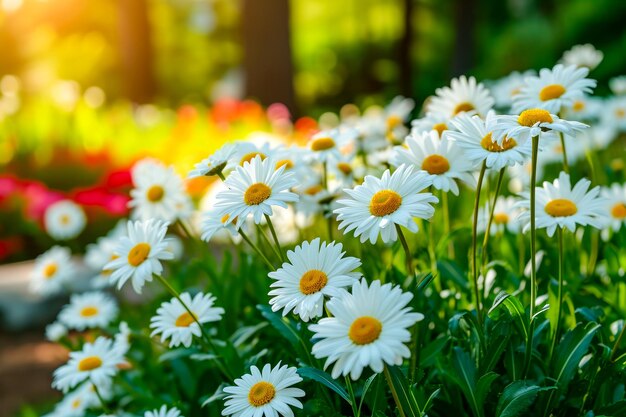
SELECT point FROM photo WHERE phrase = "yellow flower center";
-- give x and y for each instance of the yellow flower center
(225, 218)
(463, 107)
(440, 128)
(393, 121)
(89, 363)
(184, 320)
(76, 403)
(250, 156)
(550, 92)
(155, 193)
(89, 311)
(287, 163)
(345, 168)
(256, 194)
(313, 190)
(322, 144)
(578, 105)
(435, 164)
(261, 393)
(501, 218)
(365, 330)
(50, 270)
(138, 254)
(313, 281)
(385, 202)
(488, 144)
(561, 207)
(530, 117)
(619, 211)
(620, 113)
(64, 219)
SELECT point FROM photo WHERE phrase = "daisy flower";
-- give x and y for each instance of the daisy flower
(583, 56)
(88, 310)
(52, 271)
(64, 220)
(313, 199)
(584, 108)
(397, 114)
(97, 362)
(55, 331)
(376, 206)
(442, 159)
(475, 138)
(615, 205)
(432, 121)
(368, 327)
(215, 163)
(504, 216)
(560, 205)
(618, 85)
(614, 113)
(553, 89)
(326, 145)
(97, 256)
(313, 272)
(213, 223)
(76, 403)
(160, 194)
(163, 412)
(264, 393)
(174, 322)
(531, 123)
(506, 88)
(247, 151)
(463, 95)
(253, 190)
(139, 254)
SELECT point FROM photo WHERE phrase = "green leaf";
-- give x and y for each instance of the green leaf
(178, 354)
(218, 395)
(406, 397)
(450, 270)
(475, 389)
(514, 308)
(570, 351)
(516, 398)
(430, 352)
(325, 379)
(285, 326)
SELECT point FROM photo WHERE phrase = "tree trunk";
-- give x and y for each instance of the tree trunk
(406, 63)
(136, 51)
(267, 52)
(464, 17)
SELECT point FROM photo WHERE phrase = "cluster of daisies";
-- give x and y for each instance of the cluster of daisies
(367, 175)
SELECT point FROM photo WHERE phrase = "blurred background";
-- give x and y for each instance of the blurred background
(89, 86)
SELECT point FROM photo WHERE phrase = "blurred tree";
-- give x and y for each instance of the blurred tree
(267, 59)
(136, 51)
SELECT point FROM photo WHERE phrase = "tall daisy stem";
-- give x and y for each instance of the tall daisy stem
(394, 394)
(257, 250)
(565, 164)
(559, 301)
(105, 408)
(533, 252)
(481, 176)
(446, 222)
(355, 410)
(275, 237)
(221, 175)
(205, 336)
(267, 240)
(186, 228)
(491, 213)
(408, 258)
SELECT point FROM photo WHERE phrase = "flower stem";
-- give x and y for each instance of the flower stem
(533, 251)
(394, 394)
(408, 258)
(257, 250)
(355, 411)
(491, 213)
(186, 229)
(481, 176)
(221, 175)
(559, 301)
(105, 408)
(617, 342)
(267, 240)
(275, 237)
(325, 175)
(446, 222)
(565, 164)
